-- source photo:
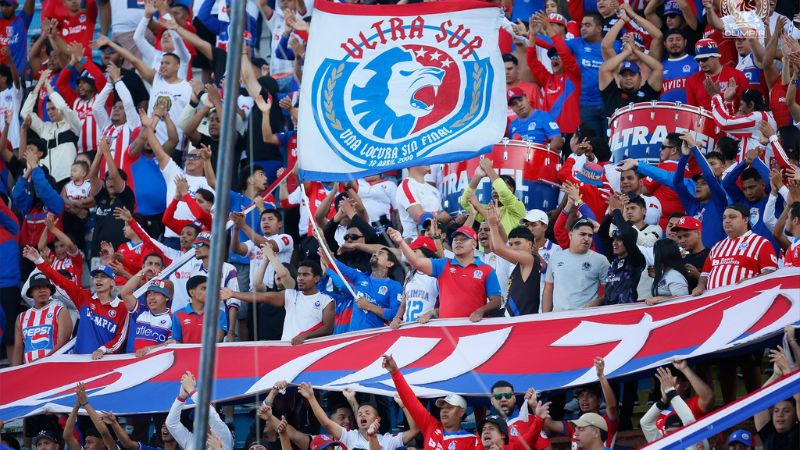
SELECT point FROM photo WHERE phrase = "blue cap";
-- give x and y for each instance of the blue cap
(629, 65)
(742, 437)
(105, 270)
(706, 48)
(426, 216)
(671, 7)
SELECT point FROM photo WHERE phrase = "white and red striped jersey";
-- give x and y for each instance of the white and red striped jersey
(121, 138)
(744, 127)
(40, 331)
(732, 260)
(792, 256)
(71, 263)
(87, 141)
(411, 192)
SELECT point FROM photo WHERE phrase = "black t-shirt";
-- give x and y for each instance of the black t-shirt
(773, 440)
(135, 85)
(106, 227)
(698, 260)
(255, 140)
(614, 97)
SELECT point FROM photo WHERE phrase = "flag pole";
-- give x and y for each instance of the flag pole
(217, 247)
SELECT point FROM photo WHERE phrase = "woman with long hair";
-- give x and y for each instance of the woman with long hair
(670, 274)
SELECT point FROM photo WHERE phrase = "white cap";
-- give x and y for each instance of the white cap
(535, 215)
(452, 399)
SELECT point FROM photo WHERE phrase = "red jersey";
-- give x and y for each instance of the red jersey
(792, 256)
(526, 434)
(569, 431)
(693, 404)
(777, 102)
(202, 216)
(561, 94)
(743, 127)
(432, 430)
(79, 28)
(39, 329)
(462, 290)
(696, 91)
(732, 260)
(71, 263)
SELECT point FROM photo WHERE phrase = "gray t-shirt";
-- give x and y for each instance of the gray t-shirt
(672, 284)
(576, 278)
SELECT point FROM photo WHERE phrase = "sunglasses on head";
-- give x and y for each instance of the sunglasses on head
(506, 395)
(352, 237)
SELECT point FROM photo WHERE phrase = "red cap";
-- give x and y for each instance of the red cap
(514, 92)
(423, 242)
(688, 223)
(466, 231)
(322, 441)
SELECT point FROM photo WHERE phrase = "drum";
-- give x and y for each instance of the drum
(637, 130)
(533, 167)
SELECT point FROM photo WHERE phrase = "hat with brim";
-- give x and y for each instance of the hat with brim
(499, 422)
(453, 400)
(465, 231)
(39, 280)
(160, 286)
(103, 269)
(45, 434)
(591, 420)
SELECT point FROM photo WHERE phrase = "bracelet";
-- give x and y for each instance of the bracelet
(661, 405)
(672, 393)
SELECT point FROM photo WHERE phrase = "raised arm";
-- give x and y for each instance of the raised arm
(307, 392)
(611, 65)
(420, 263)
(146, 72)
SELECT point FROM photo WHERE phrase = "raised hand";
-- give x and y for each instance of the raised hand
(286, 103)
(101, 41)
(305, 390)
(730, 90)
(688, 143)
(80, 395)
(188, 382)
(542, 410)
(265, 412)
(31, 254)
(599, 367)
(394, 235)
(123, 214)
(680, 364)
(237, 218)
(113, 72)
(389, 364)
(264, 105)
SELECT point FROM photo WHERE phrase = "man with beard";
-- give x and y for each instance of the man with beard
(678, 66)
(378, 294)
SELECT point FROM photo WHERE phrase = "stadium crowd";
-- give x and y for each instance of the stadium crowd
(109, 142)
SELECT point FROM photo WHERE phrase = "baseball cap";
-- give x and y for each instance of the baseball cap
(671, 7)
(466, 231)
(535, 215)
(322, 441)
(742, 437)
(452, 399)
(591, 173)
(581, 223)
(673, 421)
(552, 53)
(163, 287)
(203, 238)
(45, 434)
(426, 216)
(105, 270)
(514, 93)
(629, 65)
(706, 48)
(557, 18)
(423, 242)
(498, 421)
(688, 223)
(591, 420)
(85, 76)
(38, 280)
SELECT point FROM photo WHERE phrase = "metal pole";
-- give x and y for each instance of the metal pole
(225, 161)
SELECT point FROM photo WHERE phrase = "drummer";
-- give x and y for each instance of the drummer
(531, 125)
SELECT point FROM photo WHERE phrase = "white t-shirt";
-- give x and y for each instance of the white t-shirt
(352, 439)
(180, 297)
(182, 212)
(10, 100)
(78, 192)
(421, 292)
(125, 17)
(277, 25)
(177, 96)
(285, 247)
(410, 193)
(378, 198)
(546, 252)
(303, 313)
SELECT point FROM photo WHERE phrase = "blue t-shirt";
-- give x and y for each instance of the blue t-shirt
(149, 184)
(676, 72)
(383, 292)
(15, 31)
(537, 128)
(590, 58)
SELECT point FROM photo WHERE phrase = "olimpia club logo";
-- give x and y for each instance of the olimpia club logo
(400, 91)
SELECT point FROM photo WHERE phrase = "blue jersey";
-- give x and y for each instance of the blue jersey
(756, 208)
(342, 300)
(14, 34)
(537, 128)
(590, 58)
(383, 292)
(147, 328)
(676, 72)
(524, 9)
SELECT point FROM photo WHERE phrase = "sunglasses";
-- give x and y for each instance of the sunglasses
(664, 147)
(352, 237)
(192, 157)
(506, 396)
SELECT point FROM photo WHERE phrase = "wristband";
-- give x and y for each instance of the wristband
(194, 391)
(83, 60)
(180, 399)
(661, 405)
(672, 393)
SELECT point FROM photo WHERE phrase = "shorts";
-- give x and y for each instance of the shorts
(11, 302)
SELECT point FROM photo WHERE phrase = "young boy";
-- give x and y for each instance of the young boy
(65, 254)
(282, 245)
(153, 322)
